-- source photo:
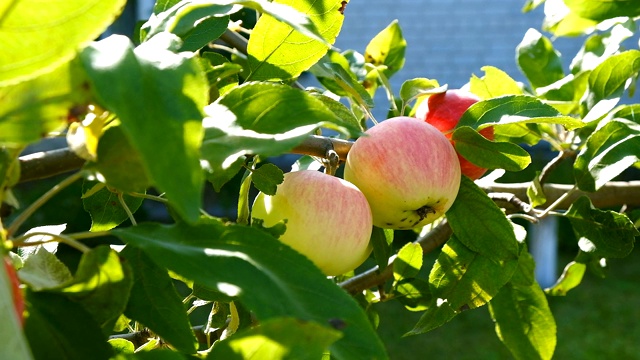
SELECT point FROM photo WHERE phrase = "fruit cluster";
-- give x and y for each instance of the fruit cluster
(403, 174)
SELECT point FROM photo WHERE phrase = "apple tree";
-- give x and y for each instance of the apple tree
(198, 103)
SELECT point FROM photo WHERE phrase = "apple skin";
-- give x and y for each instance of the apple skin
(328, 219)
(18, 301)
(408, 171)
(443, 111)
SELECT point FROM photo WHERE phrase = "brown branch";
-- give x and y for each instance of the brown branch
(612, 195)
(235, 40)
(46, 164)
(373, 277)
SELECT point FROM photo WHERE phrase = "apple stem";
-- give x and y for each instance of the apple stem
(331, 162)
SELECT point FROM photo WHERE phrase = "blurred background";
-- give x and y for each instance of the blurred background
(448, 41)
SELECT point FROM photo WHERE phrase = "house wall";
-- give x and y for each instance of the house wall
(448, 40)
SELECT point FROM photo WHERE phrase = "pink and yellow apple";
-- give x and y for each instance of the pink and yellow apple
(327, 218)
(408, 171)
(443, 111)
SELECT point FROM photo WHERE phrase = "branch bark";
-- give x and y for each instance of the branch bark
(614, 194)
(374, 277)
(45, 164)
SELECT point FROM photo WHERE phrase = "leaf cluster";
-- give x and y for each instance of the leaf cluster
(192, 104)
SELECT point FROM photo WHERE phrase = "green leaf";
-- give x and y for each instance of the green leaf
(58, 326)
(119, 163)
(101, 284)
(221, 74)
(438, 313)
(42, 270)
(164, 125)
(524, 322)
(349, 84)
(381, 240)
(538, 60)
(525, 275)
(387, 48)
(122, 346)
(414, 294)
(287, 29)
(568, 24)
(347, 119)
(31, 109)
(413, 88)
(306, 162)
(629, 112)
(14, 343)
(155, 302)
(63, 27)
(153, 354)
(494, 83)
(535, 192)
(195, 23)
(613, 73)
(104, 206)
(601, 233)
(510, 115)
(612, 148)
(249, 264)
(479, 223)
(571, 277)
(408, 262)
(600, 46)
(489, 154)
(467, 279)
(604, 9)
(566, 94)
(259, 118)
(277, 339)
(267, 177)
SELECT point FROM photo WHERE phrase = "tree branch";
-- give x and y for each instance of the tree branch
(612, 194)
(45, 164)
(373, 277)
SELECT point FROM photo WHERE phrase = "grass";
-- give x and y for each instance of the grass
(597, 320)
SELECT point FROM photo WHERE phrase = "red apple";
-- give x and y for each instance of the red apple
(18, 301)
(408, 171)
(444, 110)
(328, 219)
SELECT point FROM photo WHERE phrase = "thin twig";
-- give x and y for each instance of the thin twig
(373, 277)
(22, 240)
(20, 219)
(126, 209)
(558, 202)
(514, 201)
(88, 234)
(148, 196)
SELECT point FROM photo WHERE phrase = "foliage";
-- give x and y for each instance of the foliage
(173, 112)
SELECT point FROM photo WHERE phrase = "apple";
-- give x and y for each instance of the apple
(18, 301)
(327, 219)
(408, 171)
(444, 110)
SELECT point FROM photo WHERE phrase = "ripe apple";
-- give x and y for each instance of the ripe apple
(444, 110)
(408, 171)
(18, 301)
(328, 219)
